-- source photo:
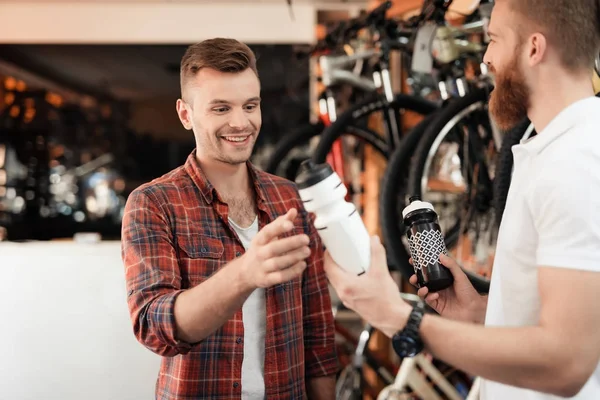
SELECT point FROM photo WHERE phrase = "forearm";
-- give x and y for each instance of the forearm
(528, 357)
(321, 388)
(202, 310)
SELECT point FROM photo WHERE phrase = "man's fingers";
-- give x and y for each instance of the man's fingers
(281, 246)
(278, 227)
(422, 292)
(453, 266)
(413, 280)
(286, 260)
(430, 298)
(433, 297)
(287, 274)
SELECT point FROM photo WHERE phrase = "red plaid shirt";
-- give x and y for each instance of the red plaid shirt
(173, 238)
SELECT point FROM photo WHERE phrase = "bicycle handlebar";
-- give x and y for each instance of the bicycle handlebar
(389, 29)
(347, 30)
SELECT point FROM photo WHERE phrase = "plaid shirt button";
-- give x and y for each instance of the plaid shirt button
(238, 253)
(238, 340)
(236, 385)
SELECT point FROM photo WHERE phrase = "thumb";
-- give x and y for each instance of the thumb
(453, 266)
(378, 254)
(291, 214)
(334, 272)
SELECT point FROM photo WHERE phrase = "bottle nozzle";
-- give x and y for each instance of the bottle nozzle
(414, 198)
(307, 165)
(311, 173)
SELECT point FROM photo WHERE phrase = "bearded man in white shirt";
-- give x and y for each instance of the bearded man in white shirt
(537, 336)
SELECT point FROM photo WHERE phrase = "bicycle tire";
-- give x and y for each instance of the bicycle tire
(432, 131)
(289, 142)
(504, 166)
(344, 123)
(307, 132)
(394, 179)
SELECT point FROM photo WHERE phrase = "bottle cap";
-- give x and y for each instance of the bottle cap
(416, 204)
(311, 173)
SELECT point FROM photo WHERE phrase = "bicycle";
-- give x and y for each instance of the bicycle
(335, 74)
(450, 76)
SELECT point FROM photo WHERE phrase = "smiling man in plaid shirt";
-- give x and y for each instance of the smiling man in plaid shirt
(223, 266)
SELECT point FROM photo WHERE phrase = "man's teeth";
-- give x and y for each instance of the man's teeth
(236, 139)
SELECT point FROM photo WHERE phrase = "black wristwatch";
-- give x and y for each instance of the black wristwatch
(407, 342)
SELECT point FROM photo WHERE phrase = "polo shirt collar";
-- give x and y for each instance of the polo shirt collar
(562, 123)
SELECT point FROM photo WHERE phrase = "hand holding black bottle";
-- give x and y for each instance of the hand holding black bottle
(426, 243)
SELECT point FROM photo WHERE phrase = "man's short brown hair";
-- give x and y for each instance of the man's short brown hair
(571, 26)
(221, 54)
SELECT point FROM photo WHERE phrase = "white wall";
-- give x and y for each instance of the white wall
(169, 22)
(65, 332)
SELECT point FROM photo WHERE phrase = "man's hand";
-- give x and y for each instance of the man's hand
(373, 295)
(461, 301)
(269, 260)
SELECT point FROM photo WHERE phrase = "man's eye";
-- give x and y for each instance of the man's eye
(220, 109)
(251, 107)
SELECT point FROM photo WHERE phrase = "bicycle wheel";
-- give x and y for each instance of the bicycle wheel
(353, 121)
(393, 197)
(348, 385)
(291, 142)
(294, 141)
(453, 166)
(504, 166)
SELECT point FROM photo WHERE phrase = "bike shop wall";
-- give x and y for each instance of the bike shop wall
(70, 335)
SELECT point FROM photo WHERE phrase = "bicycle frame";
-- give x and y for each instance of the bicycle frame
(410, 376)
(335, 71)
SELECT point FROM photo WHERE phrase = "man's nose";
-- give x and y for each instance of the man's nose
(239, 119)
(486, 57)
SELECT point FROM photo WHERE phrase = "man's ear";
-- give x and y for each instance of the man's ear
(537, 48)
(184, 113)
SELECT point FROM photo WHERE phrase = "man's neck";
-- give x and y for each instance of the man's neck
(228, 179)
(558, 92)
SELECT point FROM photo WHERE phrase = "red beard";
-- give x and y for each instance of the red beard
(509, 100)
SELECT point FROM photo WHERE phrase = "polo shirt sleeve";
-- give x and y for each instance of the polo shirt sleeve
(565, 204)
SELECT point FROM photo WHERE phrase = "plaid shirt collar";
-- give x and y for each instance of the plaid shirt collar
(258, 178)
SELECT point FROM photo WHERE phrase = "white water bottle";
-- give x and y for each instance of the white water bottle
(337, 221)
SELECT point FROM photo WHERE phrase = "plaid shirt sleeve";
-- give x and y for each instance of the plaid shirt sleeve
(319, 333)
(152, 274)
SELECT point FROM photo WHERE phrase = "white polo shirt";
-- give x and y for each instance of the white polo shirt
(552, 218)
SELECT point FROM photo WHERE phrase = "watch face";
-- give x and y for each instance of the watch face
(405, 346)
(407, 342)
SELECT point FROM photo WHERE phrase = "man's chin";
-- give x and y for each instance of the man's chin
(506, 124)
(238, 160)
(504, 120)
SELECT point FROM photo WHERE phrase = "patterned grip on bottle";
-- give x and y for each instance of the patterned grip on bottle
(425, 248)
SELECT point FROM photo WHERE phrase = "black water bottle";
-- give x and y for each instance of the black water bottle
(426, 243)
